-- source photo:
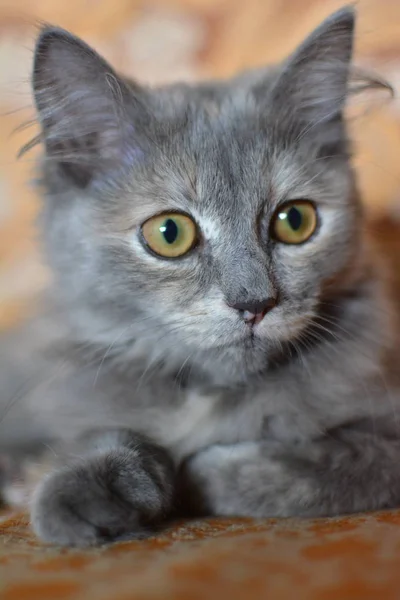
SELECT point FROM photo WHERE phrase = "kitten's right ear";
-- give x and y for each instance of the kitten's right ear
(82, 106)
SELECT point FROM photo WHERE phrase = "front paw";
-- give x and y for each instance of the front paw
(103, 498)
(248, 479)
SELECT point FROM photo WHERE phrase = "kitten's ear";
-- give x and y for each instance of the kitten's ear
(82, 105)
(314, 80)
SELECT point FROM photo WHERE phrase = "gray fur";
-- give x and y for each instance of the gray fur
(122, 488)
(298, 417)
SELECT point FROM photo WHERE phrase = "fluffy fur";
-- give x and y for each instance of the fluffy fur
(156, 394)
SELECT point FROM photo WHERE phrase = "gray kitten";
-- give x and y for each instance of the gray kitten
(219, 339)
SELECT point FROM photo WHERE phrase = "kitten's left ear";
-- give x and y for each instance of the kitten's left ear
(313, 82)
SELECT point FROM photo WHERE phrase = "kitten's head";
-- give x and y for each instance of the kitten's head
(200, 226)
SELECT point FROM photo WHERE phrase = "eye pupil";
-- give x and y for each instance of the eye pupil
(170, 231)
(169, 235)
(295, 218)
(295, 222)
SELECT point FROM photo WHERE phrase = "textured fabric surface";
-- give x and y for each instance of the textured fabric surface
(353, 558)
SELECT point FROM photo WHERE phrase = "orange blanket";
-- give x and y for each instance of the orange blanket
(354, 558)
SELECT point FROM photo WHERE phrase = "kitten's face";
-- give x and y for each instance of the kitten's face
(223, 162)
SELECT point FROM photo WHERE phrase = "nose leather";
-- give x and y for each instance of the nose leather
(253, 311)
(255, 306)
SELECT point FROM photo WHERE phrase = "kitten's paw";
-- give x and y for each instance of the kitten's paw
(249, 479)
(104, 498)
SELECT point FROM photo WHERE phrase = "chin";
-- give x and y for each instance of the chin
(236, 363)
(248, 354)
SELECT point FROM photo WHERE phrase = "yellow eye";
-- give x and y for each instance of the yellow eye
(295, 222)
(170, 235)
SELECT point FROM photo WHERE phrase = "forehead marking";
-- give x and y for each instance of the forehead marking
(208, 226)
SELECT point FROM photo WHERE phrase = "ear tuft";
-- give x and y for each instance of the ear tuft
(81, 104)
(314, 81)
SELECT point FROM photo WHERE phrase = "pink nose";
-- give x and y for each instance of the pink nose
(253, 318)
(254, 311)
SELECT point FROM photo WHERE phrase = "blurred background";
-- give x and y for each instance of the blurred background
(164, 40)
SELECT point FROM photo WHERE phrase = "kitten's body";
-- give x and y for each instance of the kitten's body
(149, 366)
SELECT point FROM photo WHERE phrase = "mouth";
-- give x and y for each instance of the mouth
(251, 340)
(250, 337)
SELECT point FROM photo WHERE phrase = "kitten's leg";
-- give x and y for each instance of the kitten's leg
(120, 488)
(348, 472)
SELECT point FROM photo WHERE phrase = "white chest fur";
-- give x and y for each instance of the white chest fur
(203, 420)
